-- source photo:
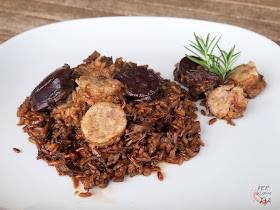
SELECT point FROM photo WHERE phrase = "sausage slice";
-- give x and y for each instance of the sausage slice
(141, 84)
(97, 88)
(53, 89)
(102, 122)
(248, 78)
(227, 101)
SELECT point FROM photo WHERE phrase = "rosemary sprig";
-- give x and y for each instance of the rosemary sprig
(203, 49)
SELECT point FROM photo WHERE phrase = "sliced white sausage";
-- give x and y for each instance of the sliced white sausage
(102, 122)
(97, 88)
(227, 101)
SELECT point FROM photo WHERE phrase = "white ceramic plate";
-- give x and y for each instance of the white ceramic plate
(233, 162)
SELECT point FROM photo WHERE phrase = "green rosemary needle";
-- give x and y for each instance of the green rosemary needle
(203, 50)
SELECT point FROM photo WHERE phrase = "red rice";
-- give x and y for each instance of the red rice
(164, 130)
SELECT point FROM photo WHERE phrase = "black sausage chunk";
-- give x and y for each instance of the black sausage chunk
(197, 82)
(141, 84)
(54, 88)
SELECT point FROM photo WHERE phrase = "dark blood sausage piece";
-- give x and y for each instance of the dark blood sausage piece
(197, 82)
(141, 84)
(54, 88)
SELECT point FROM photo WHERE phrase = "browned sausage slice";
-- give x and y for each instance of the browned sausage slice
(97, 88)
(248, 78)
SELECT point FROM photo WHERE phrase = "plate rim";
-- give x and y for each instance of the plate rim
(107, 18)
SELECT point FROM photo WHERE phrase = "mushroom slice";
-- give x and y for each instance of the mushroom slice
(248, 78)
(227, 102)
(102, 122)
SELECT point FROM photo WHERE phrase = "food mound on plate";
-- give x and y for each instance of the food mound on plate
(104, 120)
(209, 76)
